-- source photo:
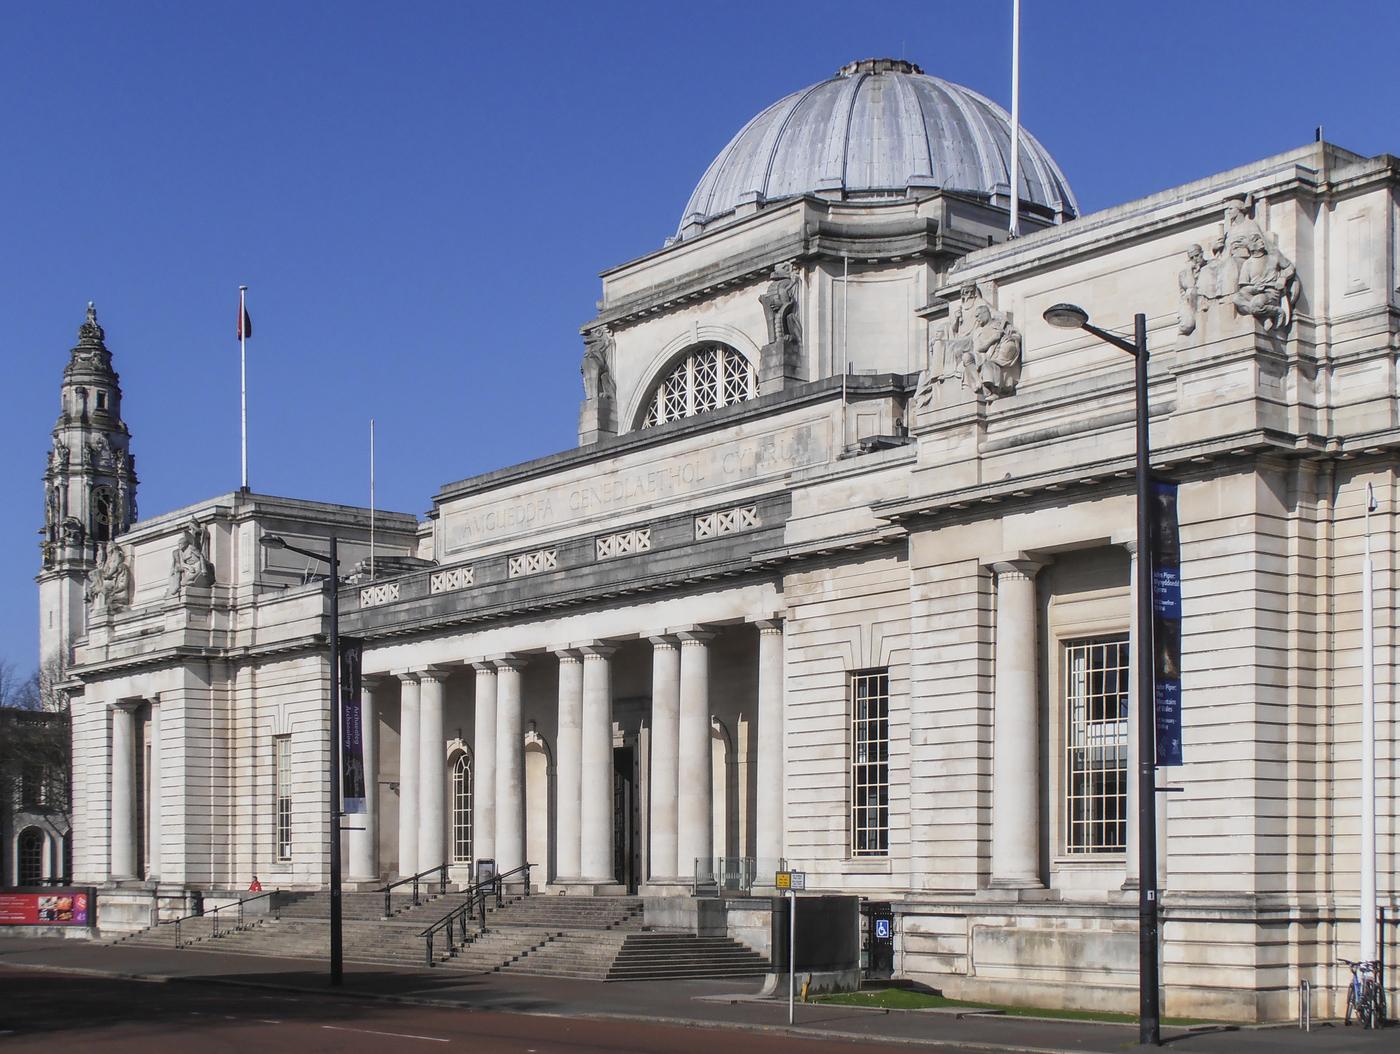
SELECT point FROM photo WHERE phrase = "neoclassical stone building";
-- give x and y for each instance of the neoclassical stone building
(840, 573)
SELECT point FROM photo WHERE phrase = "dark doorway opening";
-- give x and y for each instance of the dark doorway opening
(627, 842)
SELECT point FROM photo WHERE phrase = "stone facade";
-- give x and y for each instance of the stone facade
(809, 614)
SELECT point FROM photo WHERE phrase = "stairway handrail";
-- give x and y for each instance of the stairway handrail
(476, 899)
(214, 914)
(441, 870)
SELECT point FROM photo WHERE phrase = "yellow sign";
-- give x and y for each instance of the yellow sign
(783, 880)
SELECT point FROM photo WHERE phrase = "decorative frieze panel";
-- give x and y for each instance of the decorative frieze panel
(373, 596)
(450, 580)
(726, 521)
(533, 563)
(624, 543)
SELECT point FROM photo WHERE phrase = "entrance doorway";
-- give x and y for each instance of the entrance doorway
(627, 842)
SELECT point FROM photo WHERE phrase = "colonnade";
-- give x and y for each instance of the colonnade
(680, 813)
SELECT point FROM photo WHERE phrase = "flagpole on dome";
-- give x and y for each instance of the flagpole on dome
(1015, 118)
(245, 330)
(371, 499)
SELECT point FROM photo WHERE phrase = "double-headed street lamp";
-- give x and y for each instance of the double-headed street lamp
(1070, 316)
(272, 541)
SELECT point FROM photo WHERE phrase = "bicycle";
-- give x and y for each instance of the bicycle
(1364, 994)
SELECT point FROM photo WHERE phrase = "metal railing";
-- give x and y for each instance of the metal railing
(421, 878)
(453, 925)
(228, 918)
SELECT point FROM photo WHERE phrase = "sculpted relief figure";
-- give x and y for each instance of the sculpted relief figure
(108, 588)
(979, 346)
(597, 364)
(1246, 269)
(190, 565)
(779, 302)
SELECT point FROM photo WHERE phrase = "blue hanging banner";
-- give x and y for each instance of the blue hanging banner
(352, 739)
(1166, 622)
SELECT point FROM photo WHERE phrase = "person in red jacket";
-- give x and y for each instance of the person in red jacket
(255, 886)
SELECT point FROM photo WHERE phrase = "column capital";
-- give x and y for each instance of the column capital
(435, 674)
(695, 635)
(508, 662)
(1017, 565)
(566, 653)
(374, 681)
(1128, 541)
(598, 649)
(767, 625)
(483, 666)
(407, 676)
(663, 640)
(128, 705)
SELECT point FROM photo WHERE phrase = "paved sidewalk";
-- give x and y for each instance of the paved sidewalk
(678, 1002)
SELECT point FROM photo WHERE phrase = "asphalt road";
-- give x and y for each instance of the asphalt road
(61, 1013)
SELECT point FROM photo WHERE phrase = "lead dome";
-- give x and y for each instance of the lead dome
(878, 129)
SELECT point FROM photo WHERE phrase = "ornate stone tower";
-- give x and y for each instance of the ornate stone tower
(89, 488)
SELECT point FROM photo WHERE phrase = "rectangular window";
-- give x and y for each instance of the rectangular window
(870, 763)
(282, 793)
(1096, 744)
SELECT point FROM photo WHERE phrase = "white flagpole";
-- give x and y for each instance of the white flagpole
(371, 499)
(1015, 118)
(243, 379)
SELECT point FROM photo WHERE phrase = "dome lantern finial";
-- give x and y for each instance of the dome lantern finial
(850, 69)
(90, 332)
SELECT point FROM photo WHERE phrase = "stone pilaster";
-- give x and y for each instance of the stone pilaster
(154, 831)
(768, 834)
(596, 784)
(409, 746)
(123, 820)
(1016, 730)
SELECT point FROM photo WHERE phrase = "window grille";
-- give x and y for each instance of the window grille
(462, 810)
(870, 763)
(711, 376)
(1096, 745)
(282, 791)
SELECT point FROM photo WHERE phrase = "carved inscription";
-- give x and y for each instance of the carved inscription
(641, 484)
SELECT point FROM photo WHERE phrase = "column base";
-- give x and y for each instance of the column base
(1130, 883)
(582, 887)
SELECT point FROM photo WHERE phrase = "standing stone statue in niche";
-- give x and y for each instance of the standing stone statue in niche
(781, 358)
(108, 588)
(1246, 270)
(597, 416)
(190, 564)
(979, 347)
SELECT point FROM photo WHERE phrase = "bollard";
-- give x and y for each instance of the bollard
(1305, 1006)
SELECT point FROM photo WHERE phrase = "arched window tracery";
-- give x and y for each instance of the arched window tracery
(462, 809)
(31, 857)
(710, 375)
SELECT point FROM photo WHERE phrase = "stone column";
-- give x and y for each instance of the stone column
(408, 774)
(510, 767)
(694, 811)
(363, 836)
(665, 755)
(153, 796)
(123, 819)
(1016, 730)
(768, 833)
(432, 762)
(568, 755)
(1130, 868)
(596, 781)
(484, 763)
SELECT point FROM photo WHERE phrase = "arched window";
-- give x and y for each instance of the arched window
(710, 376)
(31, 857)
(462, 809)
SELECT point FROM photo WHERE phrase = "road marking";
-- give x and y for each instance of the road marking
(267, 1021)
(396, 1035)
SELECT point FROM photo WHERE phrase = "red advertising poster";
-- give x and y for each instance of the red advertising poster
(59, 907)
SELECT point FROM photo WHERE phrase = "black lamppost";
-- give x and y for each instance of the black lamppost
(273, 541)
(1069, 316)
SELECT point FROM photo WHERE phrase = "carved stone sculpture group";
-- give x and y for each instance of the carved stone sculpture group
(190, 564)
(1246, 270)
(108, 587)
(979, 348)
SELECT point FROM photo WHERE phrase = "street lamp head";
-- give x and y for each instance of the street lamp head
(273, 541)
(1066, 316)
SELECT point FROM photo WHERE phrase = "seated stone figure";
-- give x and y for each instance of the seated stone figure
(1268, 285)
(190, 564)
(108, 587)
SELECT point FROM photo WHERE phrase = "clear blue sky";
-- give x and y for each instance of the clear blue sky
(420, 196)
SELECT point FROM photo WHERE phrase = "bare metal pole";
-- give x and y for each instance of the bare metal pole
(1015, 117)
(243, 382)
(337, 967)
(1368, 744)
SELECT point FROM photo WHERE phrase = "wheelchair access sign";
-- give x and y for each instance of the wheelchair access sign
(883, 929)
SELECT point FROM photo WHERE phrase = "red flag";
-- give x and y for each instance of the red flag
(245, 324)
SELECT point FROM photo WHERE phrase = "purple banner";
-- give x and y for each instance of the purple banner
(1166, 622)
(352, 732)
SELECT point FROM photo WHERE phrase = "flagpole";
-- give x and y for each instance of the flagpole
(371, 499)
(1015, 117)
(243, 379)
